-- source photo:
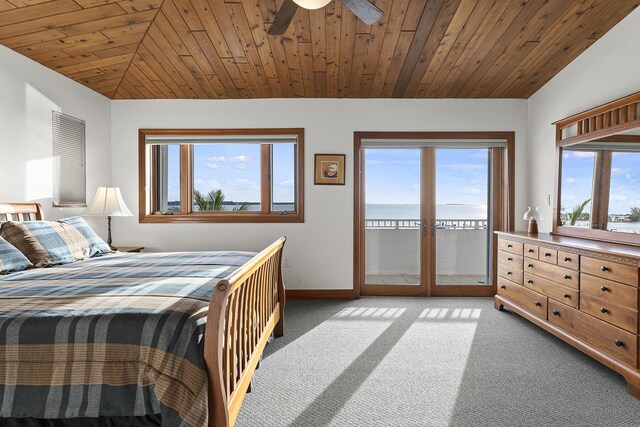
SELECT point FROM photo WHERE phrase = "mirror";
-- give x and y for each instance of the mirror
(598, 173)
(599, 186)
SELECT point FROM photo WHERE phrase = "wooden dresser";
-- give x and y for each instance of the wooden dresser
(584, 292)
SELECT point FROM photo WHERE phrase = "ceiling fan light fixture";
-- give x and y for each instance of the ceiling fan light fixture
(312, 4)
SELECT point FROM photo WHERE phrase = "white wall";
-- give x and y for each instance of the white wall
(608, 70)
(321, 249)
(28, 94)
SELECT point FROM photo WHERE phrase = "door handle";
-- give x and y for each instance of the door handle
(433, 228)
(424, 228)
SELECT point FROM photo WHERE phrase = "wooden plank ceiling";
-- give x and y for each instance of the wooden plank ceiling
(131, 49)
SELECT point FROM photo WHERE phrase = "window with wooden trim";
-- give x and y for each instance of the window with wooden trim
(221, 175)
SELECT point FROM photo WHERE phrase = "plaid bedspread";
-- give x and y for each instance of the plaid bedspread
(119, 335)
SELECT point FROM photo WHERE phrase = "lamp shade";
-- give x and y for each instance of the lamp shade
(312, 4)
(532, 214)
(108, 202)
(528, 214)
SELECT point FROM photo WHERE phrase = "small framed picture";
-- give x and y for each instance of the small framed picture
(329, 169)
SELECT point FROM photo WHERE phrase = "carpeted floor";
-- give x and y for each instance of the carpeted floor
(428, 362)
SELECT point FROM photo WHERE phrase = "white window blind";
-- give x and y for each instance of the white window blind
(69, 161)
(438, 143)
(218, 139)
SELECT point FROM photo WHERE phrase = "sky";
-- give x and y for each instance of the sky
(393, 176)
(577, 180)
(235, 169)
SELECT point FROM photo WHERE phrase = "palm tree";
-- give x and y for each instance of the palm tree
(577, 211)
(214, 201)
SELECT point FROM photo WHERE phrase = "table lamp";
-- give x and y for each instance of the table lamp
(108, 202)
(533, 217)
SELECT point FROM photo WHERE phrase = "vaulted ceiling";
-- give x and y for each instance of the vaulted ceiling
(130, 49)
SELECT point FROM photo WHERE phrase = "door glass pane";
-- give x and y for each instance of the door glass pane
(461, 223)
(226, 177)
(624, 197)
(392, 228)
(577, 185)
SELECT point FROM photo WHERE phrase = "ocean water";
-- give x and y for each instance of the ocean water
(389, 211)
(621, 227)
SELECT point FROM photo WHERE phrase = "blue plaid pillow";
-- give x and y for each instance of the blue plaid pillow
(11, 259)
(97, 246)
(47, 243)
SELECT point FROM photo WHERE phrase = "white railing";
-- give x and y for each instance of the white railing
(446, 224)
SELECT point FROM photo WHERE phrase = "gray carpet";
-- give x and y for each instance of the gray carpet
(428, 362)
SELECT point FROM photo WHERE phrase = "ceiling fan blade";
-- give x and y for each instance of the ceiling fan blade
(283, 18)
(365, 10)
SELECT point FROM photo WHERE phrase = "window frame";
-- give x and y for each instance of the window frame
(146, 179)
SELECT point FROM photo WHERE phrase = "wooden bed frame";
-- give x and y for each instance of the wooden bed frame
(245, 310)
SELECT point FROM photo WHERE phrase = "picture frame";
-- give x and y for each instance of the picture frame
(329, 169)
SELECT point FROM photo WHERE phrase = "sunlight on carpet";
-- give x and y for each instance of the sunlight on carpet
(441, 362)
(367, 362)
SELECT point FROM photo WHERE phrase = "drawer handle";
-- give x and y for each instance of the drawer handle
(618, 343)
(567, 259)
(603, 310)
(503, 287)
(509, 273)
(531, 251)
(566, 276)
(529, 281)
(509, 246)
(555, 313)
(530, 265)
(537, 303)
(604, 268)
(604, 288)
(566, 295)
(509, 259)
(547, 254)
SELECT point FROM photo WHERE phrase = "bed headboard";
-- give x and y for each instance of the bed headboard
(21, 212)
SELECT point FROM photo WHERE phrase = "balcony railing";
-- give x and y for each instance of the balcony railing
(445, 224)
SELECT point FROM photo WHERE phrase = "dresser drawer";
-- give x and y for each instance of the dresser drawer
(551, 289)
(510, 273)
(509, 246)
(530, 251)
(611, 292)
(618, 315)
(618, 343)
(568, 260)
(527, 299)
(560, 275)
(548, 255)
(610, 270)
(510, 260)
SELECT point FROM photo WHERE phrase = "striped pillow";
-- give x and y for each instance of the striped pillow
(47, 243)
(97, 246)
(11, 259)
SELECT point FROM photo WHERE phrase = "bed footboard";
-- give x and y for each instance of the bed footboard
(244, 310)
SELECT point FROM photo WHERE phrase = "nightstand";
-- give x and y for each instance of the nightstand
(130, 248)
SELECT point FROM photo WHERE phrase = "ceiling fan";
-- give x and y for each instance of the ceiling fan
(363, 9)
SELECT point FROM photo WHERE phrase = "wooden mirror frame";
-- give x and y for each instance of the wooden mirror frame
(597, 124)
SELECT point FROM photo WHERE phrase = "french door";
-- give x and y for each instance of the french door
(426, 209)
